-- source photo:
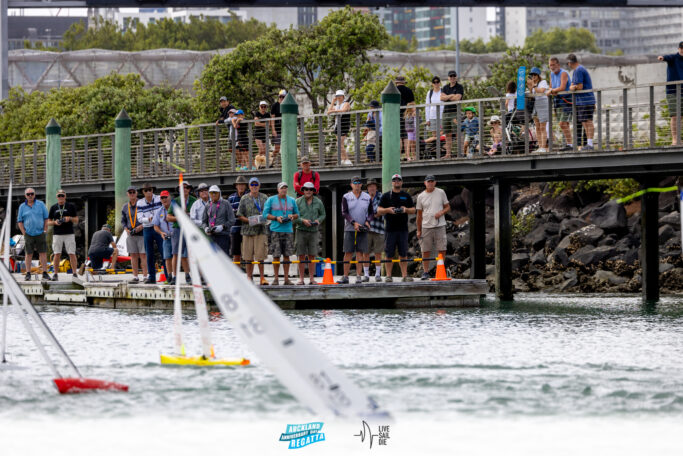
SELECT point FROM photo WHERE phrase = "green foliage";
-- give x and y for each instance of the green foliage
(315, 61)
(614, 188)
(557, 40)
(417, 78)
(399, 44)
(522, 223)
(92, 109)
(200, 34)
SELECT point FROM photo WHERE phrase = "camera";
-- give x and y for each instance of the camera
(286, 219)
(315, 223)
(61, 221)
(398, 210)
(362, 229)
(212, 229)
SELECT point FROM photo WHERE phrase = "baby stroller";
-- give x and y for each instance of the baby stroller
(514, 132)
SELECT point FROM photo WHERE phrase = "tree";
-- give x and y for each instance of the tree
(417, 78)
(315, 61)
(400, 44)
(478, 46)
(557, 41)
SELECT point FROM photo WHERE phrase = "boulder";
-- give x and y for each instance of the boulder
(519, 285)
(673, 219)
(571, 282)
(570, 225)
(609, 277)
(631, 256)
(590, 234)
(538, 258)
(519, 260)
(589, 255)
(663, 267)
(451, 242)
(559, 256)
(665, 233)
(538, 236)
(608, 240)
(609, 216)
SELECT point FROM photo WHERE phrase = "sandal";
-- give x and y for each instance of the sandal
(264, 282)
(300, 282)
(288, 282)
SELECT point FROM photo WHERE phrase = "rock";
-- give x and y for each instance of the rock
(624, 244)
(559, 256)
(519, 285)
(589, 255)
(609, 216)
(490, 241)
(519, 260)
(565, 242)
(590, 234)
(552, 242)
(538, 236)
(538, 258)
(451, 242)
(674, 219)
(561, 206)
(609, 277)
(564, 286)
(665, 233)
(663, 267)
(631, 256)
(570, 274)
(570, 225)
(608, 240)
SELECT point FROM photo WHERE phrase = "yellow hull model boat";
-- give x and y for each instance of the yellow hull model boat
(202, 361)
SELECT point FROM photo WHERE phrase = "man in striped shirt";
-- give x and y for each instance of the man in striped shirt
(376, 233)
(148, 206)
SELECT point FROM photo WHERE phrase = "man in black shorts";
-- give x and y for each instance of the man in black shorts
(395, 206)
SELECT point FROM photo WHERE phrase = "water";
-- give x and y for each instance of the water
(560, 373)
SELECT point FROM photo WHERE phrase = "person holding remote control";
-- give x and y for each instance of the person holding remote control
(282, 211)
(312, 213)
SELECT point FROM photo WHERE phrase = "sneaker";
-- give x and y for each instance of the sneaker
(378, 278)
(540, 150)
(587, 148)
(566, 148)
(365, 279)
(359, 279)
(425, 276)
(388, 279)
(75, 276)
(28, 276)
(46, 276)
(408, 279)
(188, 279)
(55, 277)
(170, 281)
(150, 280)
(344, 280)
(134, 280)
(347, 163)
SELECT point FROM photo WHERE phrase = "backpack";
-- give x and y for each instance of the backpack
(301, 175)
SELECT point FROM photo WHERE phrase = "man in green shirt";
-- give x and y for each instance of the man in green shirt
(254, 234)
(311, 215)
(175, 238)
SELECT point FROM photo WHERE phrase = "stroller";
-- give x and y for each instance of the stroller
(515, 129)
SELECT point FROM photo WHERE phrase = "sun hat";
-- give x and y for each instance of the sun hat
(494, 119)
(214, 189)
(339, 93)
(240, 180)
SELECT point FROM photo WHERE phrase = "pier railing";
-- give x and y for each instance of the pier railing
(625, 119)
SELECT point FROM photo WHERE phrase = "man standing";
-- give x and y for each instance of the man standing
(164, 229)
(199, 206)
(235, 230)
(305, 174)
(148, 206)
(282, 210)
(135, 242)
(407, 96)
(357, 212)
(453, 91)
(396, 205)
(432, 207)
(175, 239)
(276, 114)
(674, 72)
(312, 214)
(102, 246)
(376, 233)
(218, 219)
(32, 221)
(585, 102)
(560, 82)
(62, 217)
(224, 110)
(254, 238)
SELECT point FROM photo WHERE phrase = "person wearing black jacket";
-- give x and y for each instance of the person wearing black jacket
(224, 110)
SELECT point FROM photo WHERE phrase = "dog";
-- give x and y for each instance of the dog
(260, 161)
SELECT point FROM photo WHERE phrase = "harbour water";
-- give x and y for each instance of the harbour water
(543, 375)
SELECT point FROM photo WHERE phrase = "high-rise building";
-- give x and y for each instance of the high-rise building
(653, 31)
(435, 26)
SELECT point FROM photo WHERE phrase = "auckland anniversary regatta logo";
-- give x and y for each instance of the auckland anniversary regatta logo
(301, 435)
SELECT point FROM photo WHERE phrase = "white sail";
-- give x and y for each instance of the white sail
(177, 305)
(200, 308)
(4, 240)
(302, 368)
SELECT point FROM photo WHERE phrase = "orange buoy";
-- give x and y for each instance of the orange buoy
(440, 270)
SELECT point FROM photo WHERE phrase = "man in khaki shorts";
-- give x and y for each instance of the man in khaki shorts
(432, 206)
(62, 217)
(254, 238)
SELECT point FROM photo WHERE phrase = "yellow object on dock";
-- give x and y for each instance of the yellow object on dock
(201, 361)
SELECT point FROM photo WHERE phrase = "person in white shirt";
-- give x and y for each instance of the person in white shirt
(199, 206)
(147, 209)
(434, 103)
(539, 86)
(432, 207)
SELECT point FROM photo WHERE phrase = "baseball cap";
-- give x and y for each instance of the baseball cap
(396, 176)
(239, 111)
(262, 103)
(282, 93)
(680, 45)
(400, 78)
(281, 185)
(106, 226)
(371, 182)
(131, 188)
(430, 177)
(214, 189)
(224, 99)
(254, 179)
(374, 104)
(305, 159)
(202, 186)
(535, 70)
(356, 179)
(452, 73)
(308, 185)
(436, 79)
(339, 93)
(165, 193)
(187, 184)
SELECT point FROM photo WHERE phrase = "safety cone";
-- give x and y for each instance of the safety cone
(440, 270)
(328, 277)
(162, 277)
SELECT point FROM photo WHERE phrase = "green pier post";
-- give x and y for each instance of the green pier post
(122, 125)
(391, 134)
(290, 111)
(53, 168)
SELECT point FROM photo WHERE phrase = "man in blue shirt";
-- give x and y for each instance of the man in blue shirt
(282, 211)
(560, 82)
(32, 221)
(585, 102)
(674, 72)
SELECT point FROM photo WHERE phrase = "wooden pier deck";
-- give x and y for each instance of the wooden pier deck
(115, 292)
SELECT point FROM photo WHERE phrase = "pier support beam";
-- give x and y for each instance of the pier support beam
(503, 228)
(649, 242)
(122, 125)
(290, 110)
(53, 169)
(477, 210)
(391, 134)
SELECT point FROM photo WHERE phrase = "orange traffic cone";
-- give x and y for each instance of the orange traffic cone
(328, 277)
(440, 270)
(162, 277)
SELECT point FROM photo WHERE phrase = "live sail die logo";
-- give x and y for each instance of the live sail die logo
(301, 435)
(380, 437)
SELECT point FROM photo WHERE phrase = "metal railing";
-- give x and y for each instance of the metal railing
(625, 119)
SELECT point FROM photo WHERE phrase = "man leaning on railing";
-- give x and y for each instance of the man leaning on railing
(674, 72)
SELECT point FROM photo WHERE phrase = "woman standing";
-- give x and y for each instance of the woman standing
(342, 122)
(260, 126)
(433, 103)
(538, 86)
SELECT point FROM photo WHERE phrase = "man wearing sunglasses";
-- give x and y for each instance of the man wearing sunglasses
(62, 217)
(312, 214)
(357, 212)
(148, 206)
(253, 229)
(32, 221)
(395, 206)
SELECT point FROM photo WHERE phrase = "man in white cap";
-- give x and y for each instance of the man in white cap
(254, 238)
(342, 122)
(312, 213)
(432, 207)
(282, 211)
(395, 206)
(175, 236)
(218, 219)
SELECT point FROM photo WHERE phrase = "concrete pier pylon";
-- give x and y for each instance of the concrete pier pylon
(290, 112)
(391, 134)
(122, 165)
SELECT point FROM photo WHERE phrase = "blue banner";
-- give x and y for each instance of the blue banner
(521, 88)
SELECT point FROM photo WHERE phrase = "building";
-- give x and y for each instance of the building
(286, 17)
(653, 31)
(38, 30)
(148, 16)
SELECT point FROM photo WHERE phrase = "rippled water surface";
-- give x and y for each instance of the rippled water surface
(543, 359)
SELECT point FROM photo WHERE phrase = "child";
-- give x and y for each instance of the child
(242, 135)
(496, 135)
(411, 123)
(470, 125)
